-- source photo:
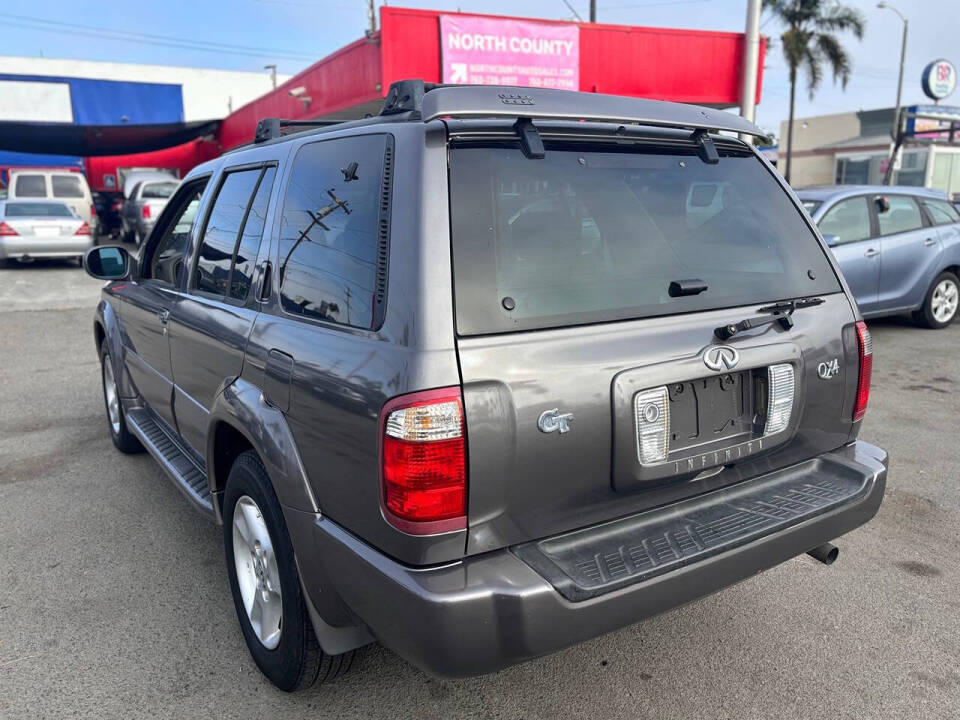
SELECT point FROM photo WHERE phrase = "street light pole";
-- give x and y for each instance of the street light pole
(896, 113)
(751, 56)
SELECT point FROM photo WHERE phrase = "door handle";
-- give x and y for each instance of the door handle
(164, 315)
(871, 253)
(929, 242)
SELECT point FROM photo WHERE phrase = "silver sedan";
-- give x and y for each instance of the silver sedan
(31, 230)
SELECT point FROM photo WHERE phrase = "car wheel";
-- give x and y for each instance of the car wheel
(4, 263)
(941, 304)
(266, 586)
(124, 440)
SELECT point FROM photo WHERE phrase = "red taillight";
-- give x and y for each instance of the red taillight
(865, 346)
(93, 211)
(83, 230)
(6, 230)
(423, 462)
(145, 212)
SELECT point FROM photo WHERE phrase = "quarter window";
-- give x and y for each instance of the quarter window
(941, 212)
(331, 241)
(31, 186)
(903, 216)
(849, 220)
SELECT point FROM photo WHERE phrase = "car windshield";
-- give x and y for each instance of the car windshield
(58, 210)
(158, 191)
(589, 236)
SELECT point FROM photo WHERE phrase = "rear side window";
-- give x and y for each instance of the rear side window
(249, 243)
(66, 186)
(333, 232)
(941, 212)
(849, 220)
(225, 228)
(31, 186)
(903, 216)
(587, 235)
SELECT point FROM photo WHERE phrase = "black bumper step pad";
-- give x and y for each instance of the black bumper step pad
(589, 562)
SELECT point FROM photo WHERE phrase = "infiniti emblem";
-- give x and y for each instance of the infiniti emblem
(553, 420)
(720, 357)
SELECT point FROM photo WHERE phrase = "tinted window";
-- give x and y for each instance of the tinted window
(212, 273)
(66, 186)
(249, 245)
(158, 191)
(811, 205)
(849, 220)
(584, 236)
(14, 209)
(941, 212)
(903, 216)
(31, 186)
(329, 231)
(167, 254)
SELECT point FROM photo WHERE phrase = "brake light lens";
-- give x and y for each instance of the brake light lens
(6, 230)
(145, 212)
(83, 230)
(423, 462)
(93, 211)
(865, 346)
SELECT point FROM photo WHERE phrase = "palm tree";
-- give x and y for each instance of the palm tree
(809, 41)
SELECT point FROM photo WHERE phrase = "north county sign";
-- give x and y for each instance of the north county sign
(939, 79)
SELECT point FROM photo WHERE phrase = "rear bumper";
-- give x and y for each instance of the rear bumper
(493, 610)
(52, 247)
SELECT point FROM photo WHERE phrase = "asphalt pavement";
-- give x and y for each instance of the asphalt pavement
(114, 599)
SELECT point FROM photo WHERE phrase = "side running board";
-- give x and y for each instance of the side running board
(185, 474)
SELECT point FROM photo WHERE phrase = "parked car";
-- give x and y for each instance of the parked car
(586, 372)
(145, 195)
(898, 247)
(30, 230)
(58, 184)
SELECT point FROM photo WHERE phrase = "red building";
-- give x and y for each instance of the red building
(693, 66)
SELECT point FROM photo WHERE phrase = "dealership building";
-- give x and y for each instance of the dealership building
(43, 96)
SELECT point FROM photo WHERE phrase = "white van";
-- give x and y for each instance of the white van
(67, 186)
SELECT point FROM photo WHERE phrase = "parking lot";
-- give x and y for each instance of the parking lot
(114, 599)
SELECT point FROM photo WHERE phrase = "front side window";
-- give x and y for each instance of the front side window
(329, 234)
(849, 220)
(591, 234)
(66, 186)
(31, 186)
(166, 257)
(941, 212)
(903, 215)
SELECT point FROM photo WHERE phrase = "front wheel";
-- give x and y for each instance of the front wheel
(941, 303)
(266, 586)
(123, 439)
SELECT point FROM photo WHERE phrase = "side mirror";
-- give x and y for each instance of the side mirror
(883, 204)
(831, 240)
(107, 262)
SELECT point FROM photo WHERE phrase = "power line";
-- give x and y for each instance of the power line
(32, 23)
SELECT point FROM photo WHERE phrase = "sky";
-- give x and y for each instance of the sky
(247, 34)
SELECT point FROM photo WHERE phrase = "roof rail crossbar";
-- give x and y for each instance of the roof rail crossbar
(270, 128)
(439, 101)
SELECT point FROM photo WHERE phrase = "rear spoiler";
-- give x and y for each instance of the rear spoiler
(478, 101)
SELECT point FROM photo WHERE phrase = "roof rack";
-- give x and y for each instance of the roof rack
(438, 101)
(270, 128)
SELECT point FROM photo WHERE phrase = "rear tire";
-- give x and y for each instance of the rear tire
(262, 571)
(941, 304)
(123, 439)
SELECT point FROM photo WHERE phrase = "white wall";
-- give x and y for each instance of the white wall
(206, 93)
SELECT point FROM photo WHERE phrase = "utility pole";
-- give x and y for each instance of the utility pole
(751, 58)
(895, 131)
(593, 11)
(372, 16)
(273, 74)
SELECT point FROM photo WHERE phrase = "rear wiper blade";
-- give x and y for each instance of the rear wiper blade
(780, 312)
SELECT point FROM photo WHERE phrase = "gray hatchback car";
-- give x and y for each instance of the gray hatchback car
(489, 374)
(898, 247)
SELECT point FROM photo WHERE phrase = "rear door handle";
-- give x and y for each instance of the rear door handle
(871, 253)
(164, 315)
(929, 241)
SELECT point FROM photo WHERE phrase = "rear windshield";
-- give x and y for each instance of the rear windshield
(158, 191)
(591, 236)
(15, 209)
(30, 186)
(66, 186)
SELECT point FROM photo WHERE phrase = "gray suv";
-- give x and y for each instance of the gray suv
(489, 374)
